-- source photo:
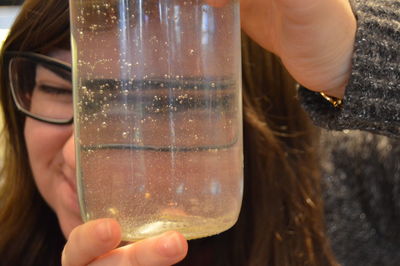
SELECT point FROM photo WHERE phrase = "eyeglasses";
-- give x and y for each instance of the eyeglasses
(41, 86)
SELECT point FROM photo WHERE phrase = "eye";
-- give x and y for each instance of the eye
(55, 90)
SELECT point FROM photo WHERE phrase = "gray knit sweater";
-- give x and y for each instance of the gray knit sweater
(361, 169)
(372, 98)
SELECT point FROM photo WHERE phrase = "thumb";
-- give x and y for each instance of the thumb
(166, 249)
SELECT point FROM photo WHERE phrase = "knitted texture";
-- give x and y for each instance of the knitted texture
(361, 186)
(371, 100)
(361, 180)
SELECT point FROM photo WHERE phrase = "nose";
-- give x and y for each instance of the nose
(69, 152)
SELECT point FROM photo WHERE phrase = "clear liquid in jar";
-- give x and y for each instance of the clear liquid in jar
(167, 159)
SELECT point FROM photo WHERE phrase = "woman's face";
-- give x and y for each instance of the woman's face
(52, 157)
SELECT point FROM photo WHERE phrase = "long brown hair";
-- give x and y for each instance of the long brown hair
(281, 222)
(29, 229)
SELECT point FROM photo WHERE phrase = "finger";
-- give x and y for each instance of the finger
(166, 249)
(90, 240)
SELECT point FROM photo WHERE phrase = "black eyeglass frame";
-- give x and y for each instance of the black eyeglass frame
(39, 58)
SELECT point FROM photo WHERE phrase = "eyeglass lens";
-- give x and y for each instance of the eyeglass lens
(41, 89)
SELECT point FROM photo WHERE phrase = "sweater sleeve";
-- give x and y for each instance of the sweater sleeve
(372, 97)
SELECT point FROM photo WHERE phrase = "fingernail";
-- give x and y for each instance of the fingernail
(104, 230)
(170, 245)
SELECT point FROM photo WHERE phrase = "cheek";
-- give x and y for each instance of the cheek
(44, 144)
